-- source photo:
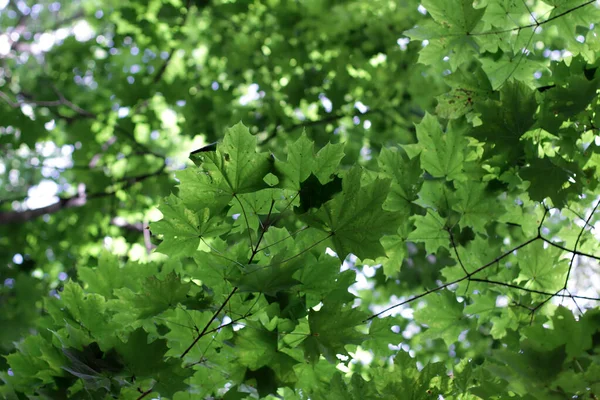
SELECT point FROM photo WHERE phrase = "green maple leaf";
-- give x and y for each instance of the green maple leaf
(406, 381)
(473, 254)
(449, 35)
(183, 228)
(268, 279)
(302, 162)
(457, 16)
(265, 379)
(145, 359)
(88, 310)
(566, 330)
(443, 316)
(202, 189)
(355, 218)
(578, 334)
(299, 163)
(505, 14)
(395, 249)
(314, 376)
(541, 268)
(254, 207)
(184, 326)
(36, 362)
(256, 347)
(109, 275)
(381, 335)
(358, 389)
(154, 297)
(458, 49)
(431, 230)
(469, 87)
(505, 121)
(327, 161)
(240, 168)
(213, 270)
(476, 207)
(565, 101)
(568, 16)
(316, 277)
(549, 180)
(501, 324)
(313, 193)
(438, 195)
(331, 329)
(442, 153)
(528, 370)
(93, 366)
(484, 306)
(462, 377)
(406, 179)
(518, 67)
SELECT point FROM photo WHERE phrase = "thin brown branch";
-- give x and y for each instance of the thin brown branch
(235, 196)
(120, 222)
(235, 289)
(301, 252)
(163, 68)
(147, 238)
(587, 222)
(456, 251)
(21, 197)
(78, 200)
(19, 103)
(574, 252)
(291, 235)
(12, 217)
(144, 394)
(533, 25)
(28, 98)
(497, 259)
(62, 22)
(71, 105)
(469, 276)
(232, 322)
(577, 252)
(573, 296)
(205, 329)
(80, 114)
(466, 277)
(410, 300)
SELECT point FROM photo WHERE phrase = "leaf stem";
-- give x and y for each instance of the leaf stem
(255, 250)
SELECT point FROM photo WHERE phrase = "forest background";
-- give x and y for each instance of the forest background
(299, 199)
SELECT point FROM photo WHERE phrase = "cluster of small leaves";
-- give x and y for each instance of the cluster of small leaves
(250, 303)
(475, 230)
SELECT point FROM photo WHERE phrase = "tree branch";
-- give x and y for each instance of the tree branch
(533, 25)
(587, 222)
(573, 296)
(78, 200)
(163, 68)
(12, 217)
(120, 222)
(255, 250)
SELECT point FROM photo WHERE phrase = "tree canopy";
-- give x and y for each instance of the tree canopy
(234, 199)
